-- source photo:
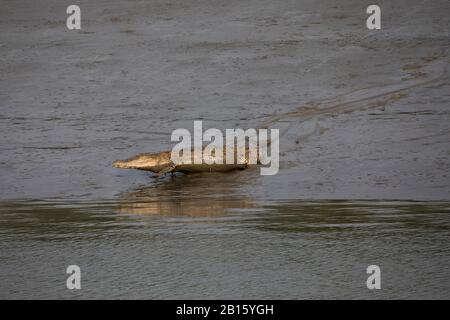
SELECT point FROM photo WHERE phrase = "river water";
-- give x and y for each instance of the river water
(224, 248)
(364, 152)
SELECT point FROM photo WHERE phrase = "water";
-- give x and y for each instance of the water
(229, 247)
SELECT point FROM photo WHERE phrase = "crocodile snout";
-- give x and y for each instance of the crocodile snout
(120, 164)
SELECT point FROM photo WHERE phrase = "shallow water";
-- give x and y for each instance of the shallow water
(229, 247)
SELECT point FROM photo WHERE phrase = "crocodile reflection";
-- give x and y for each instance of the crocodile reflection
(193, 195)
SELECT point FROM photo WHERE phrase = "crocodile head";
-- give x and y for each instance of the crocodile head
(145, 161)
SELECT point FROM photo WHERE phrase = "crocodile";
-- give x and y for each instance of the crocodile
(161, 163)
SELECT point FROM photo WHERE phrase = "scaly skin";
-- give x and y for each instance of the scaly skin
(161, 163)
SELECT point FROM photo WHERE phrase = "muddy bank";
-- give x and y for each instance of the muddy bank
(72, 102)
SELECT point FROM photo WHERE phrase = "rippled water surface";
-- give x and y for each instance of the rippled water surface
(146, 246)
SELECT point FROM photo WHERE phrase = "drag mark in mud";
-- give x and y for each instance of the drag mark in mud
(361, 99)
